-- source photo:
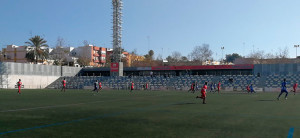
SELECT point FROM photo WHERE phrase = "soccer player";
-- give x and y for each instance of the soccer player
(196, 86)
(283, 89)
(96, 86)
(147, 85)
(219, 86)
(203, 93)
(251, 88)
(64, 85)
(100, 86)
(192, 89)
(132, 86)
(295, 88)
(19, 83)
(248, 88)
(215, 87)
(211, 87)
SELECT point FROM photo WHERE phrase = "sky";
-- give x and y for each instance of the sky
(165, 26)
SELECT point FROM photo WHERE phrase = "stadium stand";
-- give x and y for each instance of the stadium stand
(274, 81)
(266, 77)
(158, 82)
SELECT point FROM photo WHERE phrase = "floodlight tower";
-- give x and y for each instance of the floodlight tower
(117, 30)
(117, 66)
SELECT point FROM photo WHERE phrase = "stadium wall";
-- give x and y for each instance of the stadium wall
(33, 76)
(276, 69)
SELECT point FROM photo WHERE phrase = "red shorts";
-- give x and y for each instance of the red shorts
(295, 90)
(203, 94)
(131, 88)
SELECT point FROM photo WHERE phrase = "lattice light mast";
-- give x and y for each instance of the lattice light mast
(117, 30)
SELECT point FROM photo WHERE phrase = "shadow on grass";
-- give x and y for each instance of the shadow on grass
(266, 100)
(183, 103)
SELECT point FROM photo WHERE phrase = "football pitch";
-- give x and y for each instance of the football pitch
(113, 113)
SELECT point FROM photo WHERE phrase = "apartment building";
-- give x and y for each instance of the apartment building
(14, 53)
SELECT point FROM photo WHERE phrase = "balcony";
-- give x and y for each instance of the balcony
(96, 55)
(96, 48)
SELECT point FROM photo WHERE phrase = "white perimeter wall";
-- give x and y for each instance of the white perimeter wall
(29, 81)
(33, 76)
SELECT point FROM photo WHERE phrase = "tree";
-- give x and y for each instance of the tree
(151, 53)
(283, 53)
(269, 56)
(30, 56)
(201, 53)
(232, 57)
(83, 61)
(159, 57)
(170, 59)
(45, 54)
(176, 56)
(149, 56)
(59, 53)
(37, 42)
(259, 54)
(184, 59)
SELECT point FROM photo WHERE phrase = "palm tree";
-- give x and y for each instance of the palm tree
(30, 56)
(38, 43)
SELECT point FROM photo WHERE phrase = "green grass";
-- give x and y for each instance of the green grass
(146, 114)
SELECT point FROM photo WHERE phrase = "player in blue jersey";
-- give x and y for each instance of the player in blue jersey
(252, 89)
(215, 87)
(283, 89)
(96, 86)
(211, 87)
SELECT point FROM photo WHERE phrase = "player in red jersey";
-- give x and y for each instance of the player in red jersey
(248, 88)
(19, 83)
(219, 86)
(132, 86)
(203, 93)
(192, 89)
(147, 85)
(100, 87)
(64, 85)
(295, 88)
